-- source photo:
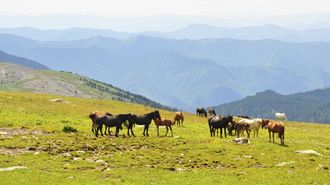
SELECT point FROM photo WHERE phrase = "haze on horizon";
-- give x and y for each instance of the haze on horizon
(156, 15)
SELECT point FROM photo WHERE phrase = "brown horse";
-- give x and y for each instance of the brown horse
(274, 127)
(201, 111)
(165, 122)
(178, 118)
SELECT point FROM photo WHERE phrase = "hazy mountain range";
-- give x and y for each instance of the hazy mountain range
(185, 73)
(194, 31)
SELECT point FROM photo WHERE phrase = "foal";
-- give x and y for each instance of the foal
(165, 122)
(274, 127)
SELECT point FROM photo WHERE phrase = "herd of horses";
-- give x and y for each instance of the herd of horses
(215, 123)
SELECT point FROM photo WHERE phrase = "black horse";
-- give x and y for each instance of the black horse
(217, 122)
(145, 120)
(211, 111)
(201, 111)
(111, 121)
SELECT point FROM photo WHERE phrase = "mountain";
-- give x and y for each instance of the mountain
(5, 57)
(193, 31)
(21, 78)
(185, 73)
(311, 106)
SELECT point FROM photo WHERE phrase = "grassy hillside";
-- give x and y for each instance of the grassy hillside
(31, 136)
(19, 78)
(21, 61)
(312, 106)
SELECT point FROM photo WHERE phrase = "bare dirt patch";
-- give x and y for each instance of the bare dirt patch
(14, 151)
(8, 132)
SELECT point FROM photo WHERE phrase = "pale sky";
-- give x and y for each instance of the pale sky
(141, 8)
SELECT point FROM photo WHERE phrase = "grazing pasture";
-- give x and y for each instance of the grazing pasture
(35, 150)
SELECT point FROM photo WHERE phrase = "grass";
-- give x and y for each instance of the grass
(190, 157)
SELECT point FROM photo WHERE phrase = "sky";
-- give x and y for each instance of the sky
(143, 8)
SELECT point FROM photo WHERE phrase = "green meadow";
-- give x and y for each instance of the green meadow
(31, 136)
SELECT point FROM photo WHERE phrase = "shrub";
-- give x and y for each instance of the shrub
(69, 129)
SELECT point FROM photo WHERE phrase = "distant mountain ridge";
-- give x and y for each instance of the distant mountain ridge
(311, 106)
(5, 57)
(185, 73)
(21, 78)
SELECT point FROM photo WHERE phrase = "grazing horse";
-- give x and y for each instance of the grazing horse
(111, 121)
(165, 122)
(145, 120)
(280, 116)
(178, 118)
(211, 111)
(254, 124)
(201, 112)
(94, 115)
(216, 122)
(274, 127)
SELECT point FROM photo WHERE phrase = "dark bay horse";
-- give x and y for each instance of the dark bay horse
(201, 111)
(217, 122)
(111, 121)
(145, 120)
(94, 115)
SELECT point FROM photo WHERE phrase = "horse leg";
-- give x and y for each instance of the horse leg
(224, 129)
(132, 130)
(166, 130)
(171, 131)
(273, 138)
(144, 130)
(147, 129)
(269, 136)
(157, 130)
(221, 132)
(283, 139)
(117, 131)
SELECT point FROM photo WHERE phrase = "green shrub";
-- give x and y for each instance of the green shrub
(69, 129)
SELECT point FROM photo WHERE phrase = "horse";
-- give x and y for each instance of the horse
(241, 126)
(165, 122)
(178, 118)
(211, 111)
(145, 120)
(111, 121)
(230, 128)
(127, 117)
(216, 122)
(280, 116)
(201, 111)
(254, 124)
(274, 127)
(244, 116)
(94, 115)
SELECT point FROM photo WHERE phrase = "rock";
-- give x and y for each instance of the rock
(100, 161)
(308, 152)
(56, 100)
(77, 158)
(284, 163)
(13, 168)
(3, 133)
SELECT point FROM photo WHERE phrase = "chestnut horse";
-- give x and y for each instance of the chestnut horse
(274, 127)
(165, 122)
(178, 118)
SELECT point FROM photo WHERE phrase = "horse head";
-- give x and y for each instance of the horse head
(264, 123)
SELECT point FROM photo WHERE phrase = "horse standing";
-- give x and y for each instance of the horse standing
(166, 122)
(211, 111)
(254, 124)
(274, 127)
(111, 121)
(94, 115)
(280, 116)
(216, 122)
(201, 112)
(145, 120)
(178, 118)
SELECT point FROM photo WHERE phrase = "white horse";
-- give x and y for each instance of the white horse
(254, 124)
(280, 116)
